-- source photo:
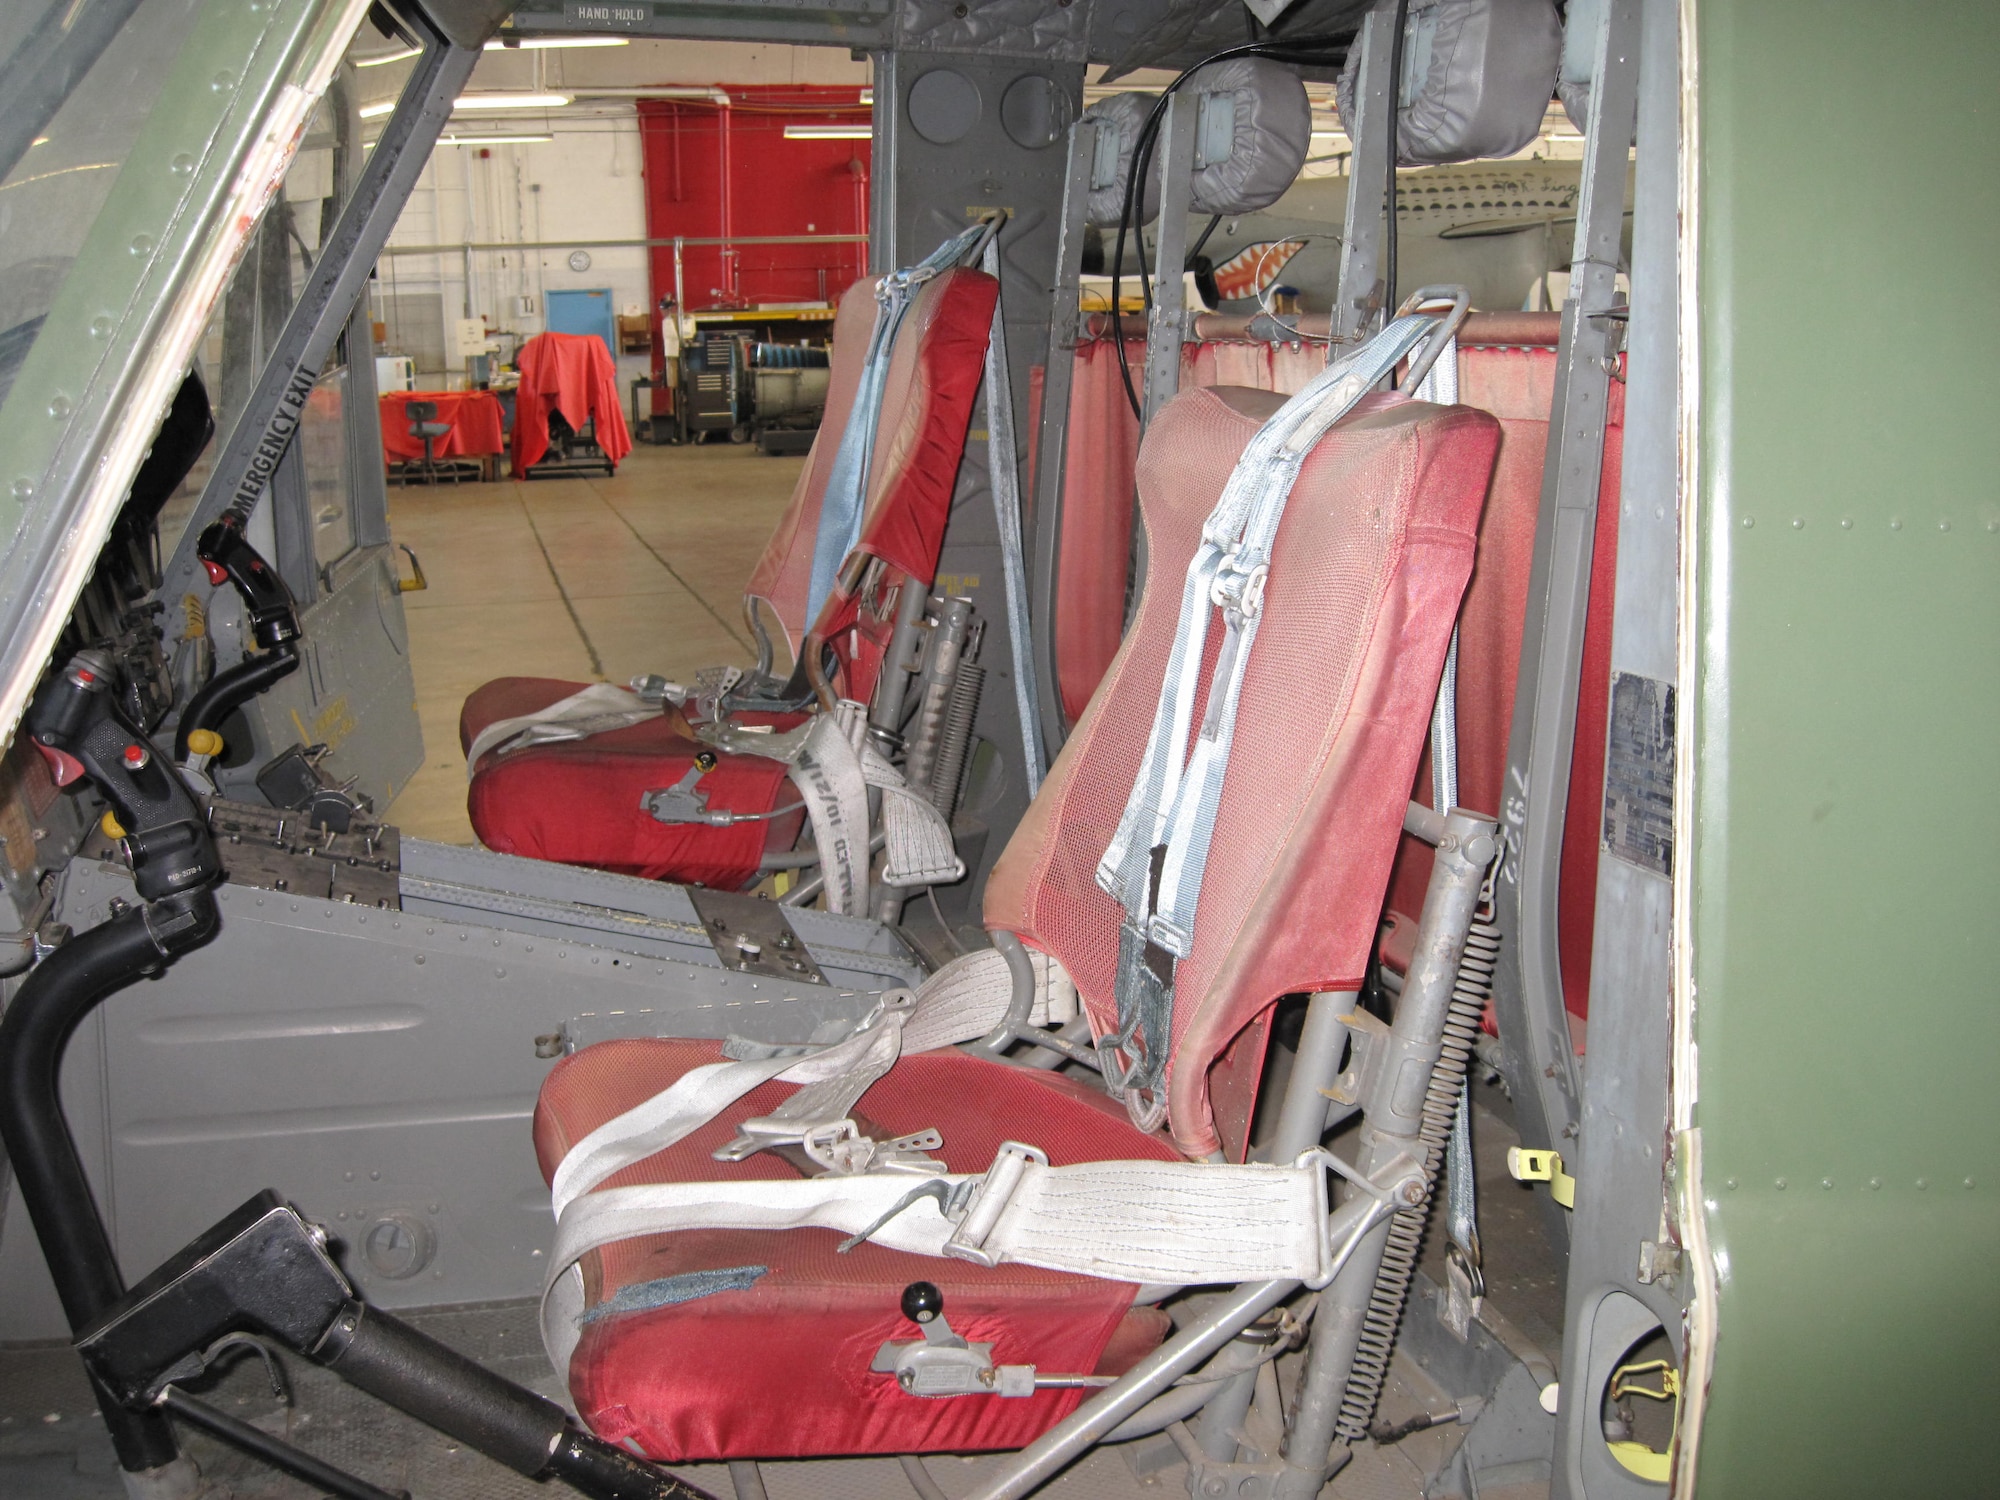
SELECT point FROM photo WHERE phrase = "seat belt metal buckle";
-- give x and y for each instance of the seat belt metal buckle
(995, 1191)
(1238, 589)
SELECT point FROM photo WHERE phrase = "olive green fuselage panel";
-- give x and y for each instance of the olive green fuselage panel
(1846, 846)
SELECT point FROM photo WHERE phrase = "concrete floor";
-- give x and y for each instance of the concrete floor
(594, 579)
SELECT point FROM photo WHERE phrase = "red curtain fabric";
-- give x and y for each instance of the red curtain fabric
(571, 373)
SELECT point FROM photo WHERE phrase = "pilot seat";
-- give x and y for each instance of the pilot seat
(584, 801)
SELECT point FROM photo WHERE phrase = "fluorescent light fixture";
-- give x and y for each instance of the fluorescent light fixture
(479, 101)
(1566, 135)
(386, 57)
(548, 43)
(868, 95)
(827, 133)
(510, 101)
(492, 140)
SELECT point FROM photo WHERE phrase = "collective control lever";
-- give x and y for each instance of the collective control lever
(228, 557)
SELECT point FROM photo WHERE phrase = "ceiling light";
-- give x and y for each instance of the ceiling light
(547, 43)
(478, 101)
(492, 140)
(386, 57)
(868, 96)
(827, 132)
(510, 101)
(1565, 135)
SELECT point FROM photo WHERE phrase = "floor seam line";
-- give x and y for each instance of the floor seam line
(672, 572)
(589, 646)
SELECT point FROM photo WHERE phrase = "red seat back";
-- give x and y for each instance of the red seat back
(1365, 580)
(934, 374)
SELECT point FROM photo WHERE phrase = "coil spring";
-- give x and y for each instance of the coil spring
(1469, 993)
(956, 738)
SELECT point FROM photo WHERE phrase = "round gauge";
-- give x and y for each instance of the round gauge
(579, 260)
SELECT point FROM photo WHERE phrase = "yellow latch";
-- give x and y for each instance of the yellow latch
(204, 742)
(113, 829)
(1637, 1457)
(1526, 1164)
(416, 583)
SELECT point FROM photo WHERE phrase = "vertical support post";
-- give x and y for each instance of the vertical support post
(1392, 1129)
(1052, 449)
(1166, 329)
(1357, 303)
(1618, 1163)
(1301, 1123)
(1527, 991)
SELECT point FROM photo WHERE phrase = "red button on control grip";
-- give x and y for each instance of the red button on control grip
(217, 574)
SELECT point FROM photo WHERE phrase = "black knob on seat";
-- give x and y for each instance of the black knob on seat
(922, 1302)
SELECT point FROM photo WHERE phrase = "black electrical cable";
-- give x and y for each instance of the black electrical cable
(1319, 50)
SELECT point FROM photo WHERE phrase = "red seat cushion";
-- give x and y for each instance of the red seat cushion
(781, 1369)
(577, 802)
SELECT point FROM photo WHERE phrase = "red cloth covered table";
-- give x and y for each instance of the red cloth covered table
(475, 419)
(571, 373)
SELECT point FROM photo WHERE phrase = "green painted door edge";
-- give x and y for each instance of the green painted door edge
(1844, 868)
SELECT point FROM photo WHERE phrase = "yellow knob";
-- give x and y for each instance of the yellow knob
(113, 829)
(204, 742)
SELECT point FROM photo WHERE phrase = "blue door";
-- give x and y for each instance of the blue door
(585, 311)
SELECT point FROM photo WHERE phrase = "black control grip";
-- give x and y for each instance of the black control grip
(227, 555)
(80, 729)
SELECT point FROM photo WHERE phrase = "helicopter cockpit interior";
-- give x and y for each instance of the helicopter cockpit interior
(1161, 956)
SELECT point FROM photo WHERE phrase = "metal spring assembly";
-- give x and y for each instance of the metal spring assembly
(1469, 994)
(956, 739)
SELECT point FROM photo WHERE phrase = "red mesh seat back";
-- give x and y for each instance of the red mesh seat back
(1100, 454)
(1365, 581)
(783, 573)
(1516, 383)
(934, 374)
(780, 1369)
(933, 378)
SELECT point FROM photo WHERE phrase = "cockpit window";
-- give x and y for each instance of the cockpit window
(70, 141)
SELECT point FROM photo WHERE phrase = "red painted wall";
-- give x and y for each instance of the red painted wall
(712, 171)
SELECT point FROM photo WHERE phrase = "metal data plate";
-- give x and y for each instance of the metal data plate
(754, 936)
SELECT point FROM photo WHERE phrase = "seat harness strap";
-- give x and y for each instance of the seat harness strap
(597, 709)
(834, 767)
(1155, 861)
(845, 501)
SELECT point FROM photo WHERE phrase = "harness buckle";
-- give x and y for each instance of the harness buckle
(990, 1200)
(1238, 589)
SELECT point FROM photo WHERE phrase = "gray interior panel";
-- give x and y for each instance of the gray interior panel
(380, 1067)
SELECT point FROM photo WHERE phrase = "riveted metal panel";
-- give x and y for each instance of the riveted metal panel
(1845, 850)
